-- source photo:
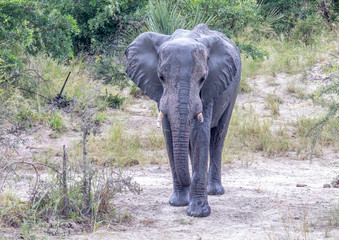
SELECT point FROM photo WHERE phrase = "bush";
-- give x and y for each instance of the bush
(100, 22)
(307, 30)
(56, 122)
(327, 96)
(34, 26)
(295, 10)
(165, 16)
(111, 69)
(114, 101)
(230, 17)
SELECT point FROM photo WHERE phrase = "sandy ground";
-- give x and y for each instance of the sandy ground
(261, 201)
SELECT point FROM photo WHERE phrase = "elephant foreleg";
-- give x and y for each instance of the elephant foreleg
(218, 135)
(200, 137)
(180, 196)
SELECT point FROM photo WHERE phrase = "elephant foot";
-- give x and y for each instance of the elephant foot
(215, 188)
(198, 208)
(180, 198)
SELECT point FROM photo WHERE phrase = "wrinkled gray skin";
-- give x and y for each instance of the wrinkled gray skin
(188, 73)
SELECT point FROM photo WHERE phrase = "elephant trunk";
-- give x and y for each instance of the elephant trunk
(180, 124)
(180, 154)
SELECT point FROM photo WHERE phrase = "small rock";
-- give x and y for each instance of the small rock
(53, 223)
(52, 232)
(327, 185)
(301, 185)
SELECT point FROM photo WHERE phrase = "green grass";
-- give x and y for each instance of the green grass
(122, 147)
(248, 133)
(288, 56)
(272, 103)
(328, 137)
(56, 122)
(100, 117)
(296, 89)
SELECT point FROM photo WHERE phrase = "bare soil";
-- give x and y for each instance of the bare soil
(261, 201)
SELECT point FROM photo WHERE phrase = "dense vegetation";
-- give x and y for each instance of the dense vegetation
(41, 41)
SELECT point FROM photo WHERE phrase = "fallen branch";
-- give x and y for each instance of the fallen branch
(24, 163)
(34, 166)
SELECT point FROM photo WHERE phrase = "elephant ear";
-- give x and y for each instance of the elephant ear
(142, 62)
(224, 65)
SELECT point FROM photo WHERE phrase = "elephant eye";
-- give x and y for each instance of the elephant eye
(202, 80)
(161, 77)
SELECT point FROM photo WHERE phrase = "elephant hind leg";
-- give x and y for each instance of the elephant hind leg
(218, 135)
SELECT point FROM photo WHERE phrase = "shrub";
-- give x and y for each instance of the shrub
(111, 69)
(114, 101)
(295, 11)
(100, 22)
(307, 30)
(165, 16)
(56, 122)
(230, 16)
(35, 26)
(331, 119)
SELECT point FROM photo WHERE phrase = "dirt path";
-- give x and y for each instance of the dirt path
(260, 202)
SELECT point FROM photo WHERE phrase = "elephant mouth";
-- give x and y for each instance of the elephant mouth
(162, 115)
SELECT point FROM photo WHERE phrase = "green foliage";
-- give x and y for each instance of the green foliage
(4, 90)
(56, 122)
(110, 69)
(114, 100)
(25, 117)
(34, 26)
(295, 10)
(100, 22)
(252, 51)
(99, 117)
(230, 17)
(165, 16)
(327, 96)
(307, 30)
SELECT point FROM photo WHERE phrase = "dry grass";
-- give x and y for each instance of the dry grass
(248, 133)
(272, 104)
(120, 147)
(296, 89)
(328, 138)
(54, 73)
(289, 57)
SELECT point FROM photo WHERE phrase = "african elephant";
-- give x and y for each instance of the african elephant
(194, 76)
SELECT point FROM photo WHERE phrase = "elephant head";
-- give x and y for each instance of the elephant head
(182, 73)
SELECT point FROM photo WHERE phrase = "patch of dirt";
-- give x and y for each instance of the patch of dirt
(260, 202)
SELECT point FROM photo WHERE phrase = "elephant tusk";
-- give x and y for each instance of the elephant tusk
(160, 117)
(200, 117)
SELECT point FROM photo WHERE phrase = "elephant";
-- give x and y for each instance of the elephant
(193, 76)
